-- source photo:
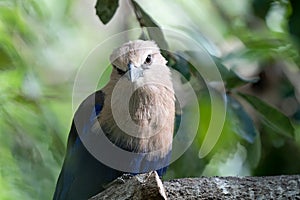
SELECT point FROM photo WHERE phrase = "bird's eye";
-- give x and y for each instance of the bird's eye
(148, 59)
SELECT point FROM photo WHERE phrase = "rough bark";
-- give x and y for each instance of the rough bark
(273, 187)
(149, 186)
(143, 186)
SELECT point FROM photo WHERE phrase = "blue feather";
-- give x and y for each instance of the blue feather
(82, 175)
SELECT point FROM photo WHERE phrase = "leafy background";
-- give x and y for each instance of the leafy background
(254, 43)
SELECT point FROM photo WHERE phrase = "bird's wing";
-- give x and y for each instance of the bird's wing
(88, 110)
(82, 175)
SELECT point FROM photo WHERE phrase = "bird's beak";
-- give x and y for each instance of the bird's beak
(134, 72)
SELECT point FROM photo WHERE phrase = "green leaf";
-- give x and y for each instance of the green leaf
(241, 122)
(105, 9)
(254, 151)
(179, 62)
(5, 60)
(261, 7)
(271, 116)
(154, 31)
(293, 22)
(231, 79)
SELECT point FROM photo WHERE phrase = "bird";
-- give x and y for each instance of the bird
(135, 111)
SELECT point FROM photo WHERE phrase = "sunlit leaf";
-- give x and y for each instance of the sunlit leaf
(105, 9)
(36, 9)
(271, 116)
(16, 23)
(228, 162)
(155, 33)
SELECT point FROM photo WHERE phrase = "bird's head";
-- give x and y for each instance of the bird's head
(139, 107)
(139, 60)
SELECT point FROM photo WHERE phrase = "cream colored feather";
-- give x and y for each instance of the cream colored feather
(139, 116)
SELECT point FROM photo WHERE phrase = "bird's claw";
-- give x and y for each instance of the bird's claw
(120, 180)
(126, 176)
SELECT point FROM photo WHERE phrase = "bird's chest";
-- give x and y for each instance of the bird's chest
(146, 109)
(143, 119)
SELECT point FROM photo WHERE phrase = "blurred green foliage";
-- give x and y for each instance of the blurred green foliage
(254, 43)
(35, 109)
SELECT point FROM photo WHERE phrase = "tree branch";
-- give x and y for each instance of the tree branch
(149, 186)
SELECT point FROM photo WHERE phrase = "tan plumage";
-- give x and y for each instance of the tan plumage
(135, 110)
(142, 119)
